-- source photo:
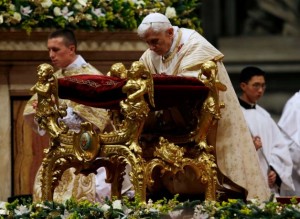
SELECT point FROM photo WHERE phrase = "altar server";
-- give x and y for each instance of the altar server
(289, 124)
(272, 150)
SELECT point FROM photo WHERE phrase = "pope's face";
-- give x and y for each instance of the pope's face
(60, 54)
(161, 42)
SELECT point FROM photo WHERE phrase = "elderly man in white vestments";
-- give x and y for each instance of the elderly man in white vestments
(274, 157)
(289, 123)
(62, 47)
(180, 51)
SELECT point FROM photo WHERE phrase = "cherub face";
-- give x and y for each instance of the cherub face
(118, 70)
(136, 70)
(44, 71)
(208, 68)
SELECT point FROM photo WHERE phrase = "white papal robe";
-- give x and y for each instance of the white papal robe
(289, 124)
(236, 156)
(274, 152)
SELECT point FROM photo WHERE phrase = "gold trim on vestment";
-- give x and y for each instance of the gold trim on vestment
(198, 65)
(169, 57)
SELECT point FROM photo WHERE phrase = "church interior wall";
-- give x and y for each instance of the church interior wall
(260, 33)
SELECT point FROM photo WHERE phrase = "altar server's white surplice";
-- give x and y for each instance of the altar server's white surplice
(274, 151)
(289, 124)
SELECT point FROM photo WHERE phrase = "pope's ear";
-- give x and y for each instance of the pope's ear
(170, 31)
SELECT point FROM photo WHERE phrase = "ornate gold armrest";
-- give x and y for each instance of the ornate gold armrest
(67, 148)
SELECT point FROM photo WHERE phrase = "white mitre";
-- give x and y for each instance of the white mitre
(155, 18)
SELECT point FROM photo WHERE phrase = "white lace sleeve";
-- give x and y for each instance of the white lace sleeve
(72, 120)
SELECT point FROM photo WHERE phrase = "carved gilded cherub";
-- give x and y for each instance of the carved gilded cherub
(210, 70)
(48, 110)
(139, 82)
(135, 108)
(211, 112)
(45, 86)
(118, 70)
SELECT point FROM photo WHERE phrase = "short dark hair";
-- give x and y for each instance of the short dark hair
(66, 34)
(250, 71)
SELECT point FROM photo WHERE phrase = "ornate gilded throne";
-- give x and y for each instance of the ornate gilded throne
(164, 128)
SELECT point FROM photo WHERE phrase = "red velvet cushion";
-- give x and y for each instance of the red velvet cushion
(92, 90)
(106, 92)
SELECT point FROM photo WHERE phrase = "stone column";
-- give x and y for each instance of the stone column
(5, 137)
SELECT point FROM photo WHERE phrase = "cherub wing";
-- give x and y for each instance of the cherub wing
(54, 87)
(150, 88)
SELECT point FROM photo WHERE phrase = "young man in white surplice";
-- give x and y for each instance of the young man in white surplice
(272, 150)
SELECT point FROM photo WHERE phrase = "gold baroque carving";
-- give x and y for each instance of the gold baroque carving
(87, 150)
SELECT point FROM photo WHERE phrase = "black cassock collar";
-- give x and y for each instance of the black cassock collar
(246, 105)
